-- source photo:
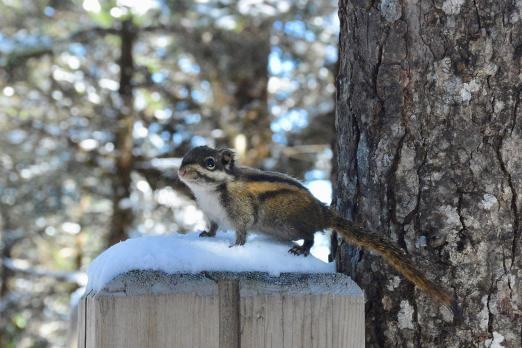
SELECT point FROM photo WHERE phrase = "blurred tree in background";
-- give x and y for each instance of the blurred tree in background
(100, 99)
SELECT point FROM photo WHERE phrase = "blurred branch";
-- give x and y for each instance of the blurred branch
(20, 56)
(158, 179)
(300, 150)
(24, 267)
(169, 28)
(86, 34)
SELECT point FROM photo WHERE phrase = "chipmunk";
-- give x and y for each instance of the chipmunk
(242, 199)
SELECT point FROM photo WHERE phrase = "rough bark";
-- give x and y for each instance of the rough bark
(429, 127)
(121, 181)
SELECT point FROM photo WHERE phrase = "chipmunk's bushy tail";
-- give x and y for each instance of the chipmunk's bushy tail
(356, 236)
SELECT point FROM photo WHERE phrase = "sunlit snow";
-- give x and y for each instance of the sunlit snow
(178, 253)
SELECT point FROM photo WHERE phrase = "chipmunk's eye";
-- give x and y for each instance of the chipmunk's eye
(210, 163)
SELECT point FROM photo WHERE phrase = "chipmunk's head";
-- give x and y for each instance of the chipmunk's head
(206, 166)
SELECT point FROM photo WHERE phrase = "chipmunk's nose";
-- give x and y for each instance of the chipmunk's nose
(182, 171)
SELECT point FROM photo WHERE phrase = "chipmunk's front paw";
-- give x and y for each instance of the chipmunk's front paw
(207, 234)
(299, 250)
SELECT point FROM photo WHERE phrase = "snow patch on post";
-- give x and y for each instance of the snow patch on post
(190, 254)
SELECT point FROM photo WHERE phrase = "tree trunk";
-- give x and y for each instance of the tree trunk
(7, 242)
(429, 127)
(121, 181)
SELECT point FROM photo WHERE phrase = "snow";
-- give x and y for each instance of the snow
(188, 253)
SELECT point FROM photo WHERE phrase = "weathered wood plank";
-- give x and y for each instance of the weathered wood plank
(229, 313)
(151, 309)
(81, 323)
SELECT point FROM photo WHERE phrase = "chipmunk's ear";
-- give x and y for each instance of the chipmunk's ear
(227, 157)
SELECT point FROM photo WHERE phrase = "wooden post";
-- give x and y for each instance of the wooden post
(228, 291)
(223, 310)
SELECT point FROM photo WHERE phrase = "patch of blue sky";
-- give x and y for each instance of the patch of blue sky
(330, 54)
(30, 40)
(161, 52)
(164, 6)
(94, 71)
(198, 141)
(278, 64)
(315, 174)
(182, 105)
(77, 49)
(188, 66)
(155, 127)
(283, 95)
(49, 11)
(165, 136)
(102, 136)
(278, 25)
(178, 138)
(183, 92)
(309, 36)
(192, 118)
(199, 96)
(327, 153)
(298, 117)
(22, 40)
(279, 138)
(159, 76)
(297, 29)
(163, 114)
(291, 121)
(6, 44)
(333, 20)
(205, 85)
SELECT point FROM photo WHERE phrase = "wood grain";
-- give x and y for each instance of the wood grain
(151, 309)
(228, 291)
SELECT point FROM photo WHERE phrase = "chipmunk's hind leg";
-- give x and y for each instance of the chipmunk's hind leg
(241, 235)
(302, 249)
